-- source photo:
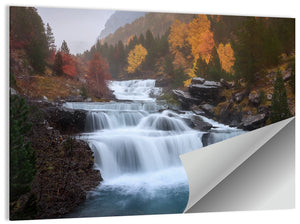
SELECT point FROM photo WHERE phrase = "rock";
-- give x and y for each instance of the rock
(209, 91)
(205, 138)
(287, 77)
(198, 111)
(208, 109)
(197, 80)
(66, 120)
(253, 122)
(269, 96)
(264, 110)
(254, 98)
(13, 91)
(45, 98)
(225, 84)
(74, 99)
(238, 97)
(200, 124)
(185, 98)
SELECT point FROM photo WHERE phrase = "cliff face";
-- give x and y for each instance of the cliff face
(119, 19)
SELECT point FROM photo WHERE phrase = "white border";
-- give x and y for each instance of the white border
(278, 8)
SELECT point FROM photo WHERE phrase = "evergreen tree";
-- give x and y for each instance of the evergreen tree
(214, 69)
(201, 68)
(27, 32)
(279, 106)
(22, 156)
(50, 38)
(168, 65)
(64, 48)
(58, 64)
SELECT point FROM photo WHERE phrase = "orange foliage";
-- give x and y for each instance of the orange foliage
(98, 74)
(226, 56)
(69, 65)
(200, 37)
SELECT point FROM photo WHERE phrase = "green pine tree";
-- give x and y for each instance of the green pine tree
(64, 48)
(214, 69)
(279, 106)
(58, 65)
(22, 156)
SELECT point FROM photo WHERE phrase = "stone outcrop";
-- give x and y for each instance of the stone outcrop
(251, 122)
(208, 91)
(68, 121)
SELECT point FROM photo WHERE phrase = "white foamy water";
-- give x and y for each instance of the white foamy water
(137, 148)
(135, 89)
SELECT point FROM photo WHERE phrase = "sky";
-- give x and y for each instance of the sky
(78, 27)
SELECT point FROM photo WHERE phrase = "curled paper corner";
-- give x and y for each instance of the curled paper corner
(208, 166)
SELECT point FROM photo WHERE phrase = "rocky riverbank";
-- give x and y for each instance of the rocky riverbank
(64, 164)
(230, 104)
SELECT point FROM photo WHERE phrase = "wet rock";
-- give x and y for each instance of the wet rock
(185, 98)
(200, 124)
(208, 109)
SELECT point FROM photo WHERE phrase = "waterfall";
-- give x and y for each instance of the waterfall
(135, 89)
(136, 147)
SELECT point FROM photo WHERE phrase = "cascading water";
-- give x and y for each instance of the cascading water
(137, 150)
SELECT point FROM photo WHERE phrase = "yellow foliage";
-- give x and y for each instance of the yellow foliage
(226, 56)
(200, 37)
(136, 57)
(178, 36)
(191, 75)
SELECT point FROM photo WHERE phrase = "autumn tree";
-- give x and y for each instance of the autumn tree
(27, 32)
(178, 37)
(136, 57)
(200, 38)
(226, 56)
(98, 74)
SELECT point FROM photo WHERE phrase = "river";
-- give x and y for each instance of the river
(136, 143)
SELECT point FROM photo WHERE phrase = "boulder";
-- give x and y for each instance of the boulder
(201, 125)
(238, 97)
(254, 98)
(209, 91)
(66, 120)
(287, 77)
(208, 109)
(251, 122)
(269, 96)
(197, 80)
(185, 98)
(225, 84)
(197, 123)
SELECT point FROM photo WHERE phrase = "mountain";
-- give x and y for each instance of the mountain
(157, 23)
(119, 19)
